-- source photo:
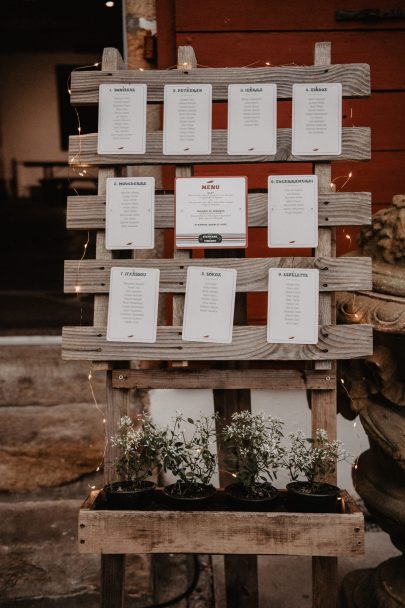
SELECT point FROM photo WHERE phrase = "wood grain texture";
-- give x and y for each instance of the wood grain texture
(324, 582)
(276, 533)
(334, 209)
(335, 274)
(335, 342)
(185, 57)
(275, 379)
(112, 583)
(220, 49)
(355, 79)
(356, 145)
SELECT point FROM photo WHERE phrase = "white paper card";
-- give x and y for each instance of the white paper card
(317, 119)
(252, 122)
(122, 119)
(293, 306)
(293, 211)
(209, 305)
(187, 119)
(211, 212)
(130, 213)
(133, 304)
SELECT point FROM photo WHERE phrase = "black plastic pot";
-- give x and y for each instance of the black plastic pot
(175, 500)
(301, 500)
(238, 500)
(122, 495)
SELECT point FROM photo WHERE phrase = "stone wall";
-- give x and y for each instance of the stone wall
(51, 442)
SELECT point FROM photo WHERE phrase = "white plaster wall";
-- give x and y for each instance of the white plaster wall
(291, 406)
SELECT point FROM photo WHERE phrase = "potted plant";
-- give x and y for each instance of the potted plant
(256, 442)
(191, 461)
(139, 455)
(313, 459)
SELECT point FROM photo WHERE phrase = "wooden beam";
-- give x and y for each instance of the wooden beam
(335, 274)
(355, 79)
(275, 379)
(356, 145)
(249, 343)
(334, 209)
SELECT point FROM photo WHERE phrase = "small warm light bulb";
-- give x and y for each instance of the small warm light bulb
(268, 63)
(79, 129)
(342, 381)
(104, 420)
(97, 63)
(141, 69)
(77, 288)
(109, 3)
(69, 91)
(234, 475)
(97, 470)
(89, 376)
(350, 174)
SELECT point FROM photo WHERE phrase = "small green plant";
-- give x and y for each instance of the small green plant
(140, 449)
(256, 442)
(313, 459)
(190, 460)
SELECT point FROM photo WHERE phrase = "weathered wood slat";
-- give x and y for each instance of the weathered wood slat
(356, 145)
(355, 79)
(336, 274)
(222, 532)
(249, 342)
(275, 379)
(334, 209)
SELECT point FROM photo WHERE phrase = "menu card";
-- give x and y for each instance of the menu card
(133, 304)
(187, 119)
(317, 119)
(209, 305)
(293, 306)
(122, 119)
(293, 211)
(211, 212)
(252, 122)
(130, 213)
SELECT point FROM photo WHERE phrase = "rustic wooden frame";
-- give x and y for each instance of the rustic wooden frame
(113, 533)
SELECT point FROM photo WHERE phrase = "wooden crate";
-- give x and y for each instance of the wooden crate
(222, 532)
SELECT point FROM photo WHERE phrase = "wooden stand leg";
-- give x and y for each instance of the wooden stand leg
(324, 582)
(113, 566)
(240, 570)
(112, 581)
(241, 581)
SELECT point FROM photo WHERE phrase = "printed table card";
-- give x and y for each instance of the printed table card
(133, 304)
(122, 119)
(317, 119)
(252, 122)
(130, 213)
(209, 305)
(187, 119)
(211, 212)
(293, 306)
(293, 211)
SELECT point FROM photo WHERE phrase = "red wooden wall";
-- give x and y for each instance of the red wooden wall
(226, 33)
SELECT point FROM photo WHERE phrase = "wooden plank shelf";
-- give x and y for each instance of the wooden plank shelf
(356, 145)
(276, 379)
(249, 343)
(221, 531)
(336, 274)
(355, 79)
(334, 209)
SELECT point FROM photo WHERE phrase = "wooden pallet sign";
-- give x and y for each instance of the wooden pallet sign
(112, 534)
